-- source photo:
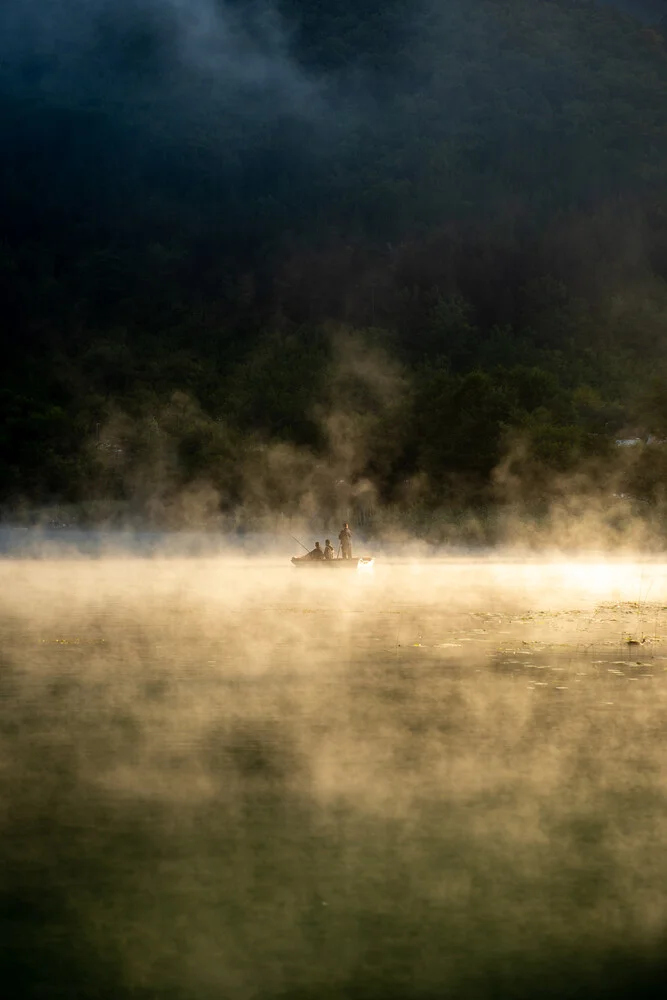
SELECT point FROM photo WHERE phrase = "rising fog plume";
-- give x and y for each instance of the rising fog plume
(359, 416)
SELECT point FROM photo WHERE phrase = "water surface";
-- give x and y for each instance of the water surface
(227, 778)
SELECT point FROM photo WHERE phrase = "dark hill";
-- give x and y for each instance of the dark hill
(482, 183)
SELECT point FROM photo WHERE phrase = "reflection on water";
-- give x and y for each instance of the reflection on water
(223, 779)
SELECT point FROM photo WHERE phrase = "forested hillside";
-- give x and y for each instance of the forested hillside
(651, 11)
(285, 256)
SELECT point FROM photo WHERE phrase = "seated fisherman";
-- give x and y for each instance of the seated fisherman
(316, 553)
(328, 550)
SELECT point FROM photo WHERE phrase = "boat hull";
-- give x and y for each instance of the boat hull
(364, 562)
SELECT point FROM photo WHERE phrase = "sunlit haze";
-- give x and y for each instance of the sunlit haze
(227, 777)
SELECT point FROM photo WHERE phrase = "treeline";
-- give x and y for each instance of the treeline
(447, 254)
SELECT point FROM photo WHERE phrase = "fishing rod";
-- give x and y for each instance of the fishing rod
(299, 543)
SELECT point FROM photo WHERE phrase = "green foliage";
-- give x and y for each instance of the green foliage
(274, 388)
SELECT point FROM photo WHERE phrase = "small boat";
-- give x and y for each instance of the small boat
(303, 562)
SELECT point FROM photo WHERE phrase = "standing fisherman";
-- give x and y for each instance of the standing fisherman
(345, 538)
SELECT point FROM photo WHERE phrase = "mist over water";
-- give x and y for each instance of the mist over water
(225, 777)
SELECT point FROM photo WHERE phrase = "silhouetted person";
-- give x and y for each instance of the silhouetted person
(328, 550)
(316, 553)
(345, 538)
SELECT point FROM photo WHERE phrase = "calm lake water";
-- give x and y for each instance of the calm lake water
(231, 779)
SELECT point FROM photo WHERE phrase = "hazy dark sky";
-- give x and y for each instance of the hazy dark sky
(209, 75)
(87, 52)
(77, 48)
(102, 97)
